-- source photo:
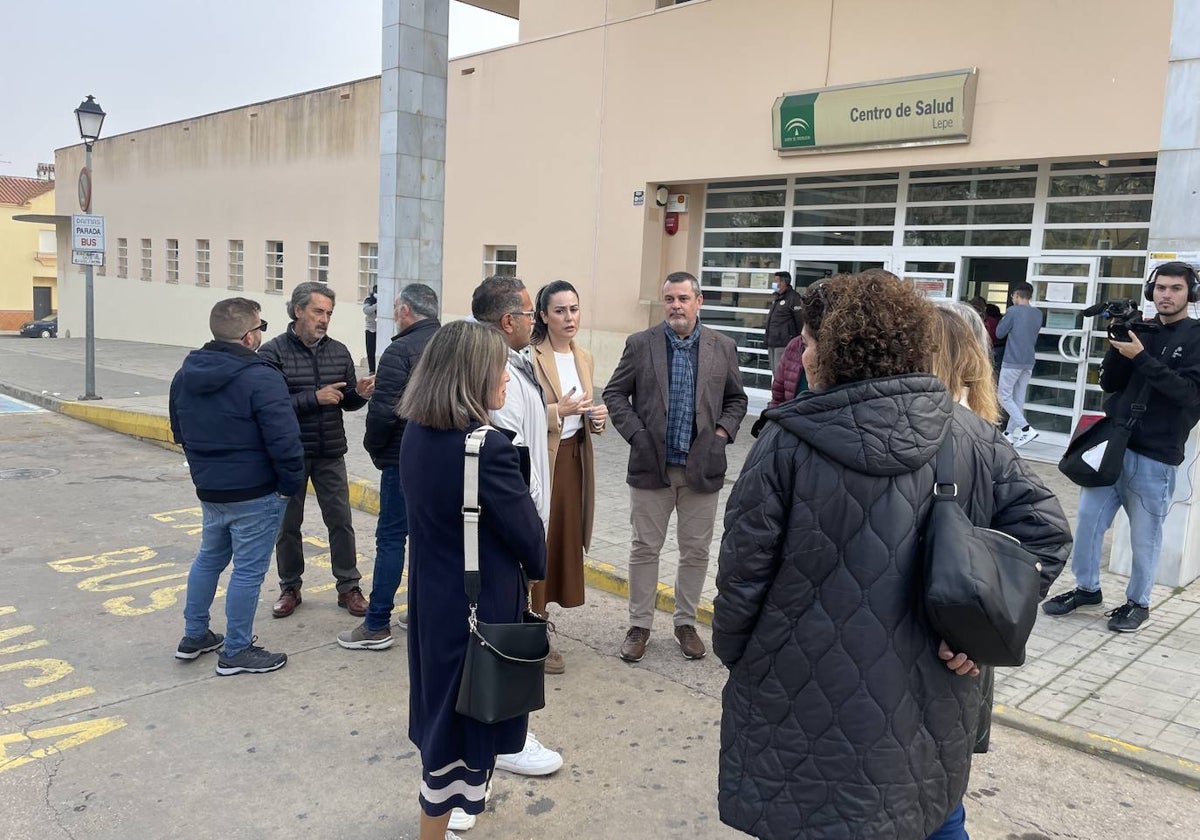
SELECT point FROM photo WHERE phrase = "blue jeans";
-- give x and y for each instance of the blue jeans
(390, 533)
(243, 532)
(1144, 489)
(955, 826)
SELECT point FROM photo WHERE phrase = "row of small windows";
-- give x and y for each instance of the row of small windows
(235, 263)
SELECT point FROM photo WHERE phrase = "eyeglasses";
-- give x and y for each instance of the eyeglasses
(530, 314)
(262, 327)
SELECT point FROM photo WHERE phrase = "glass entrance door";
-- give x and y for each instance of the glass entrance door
(809, 268)
(1062, 288)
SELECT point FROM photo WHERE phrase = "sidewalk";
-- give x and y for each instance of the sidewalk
(1133, 697)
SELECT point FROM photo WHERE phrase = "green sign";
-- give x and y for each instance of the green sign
(921, 110)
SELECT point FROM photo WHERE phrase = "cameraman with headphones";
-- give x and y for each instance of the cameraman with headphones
(1167, 368)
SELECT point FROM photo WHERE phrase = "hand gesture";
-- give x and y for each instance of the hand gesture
(957, 662)
(570, 404)
(598, 414)
(365, 387)
(331, 394)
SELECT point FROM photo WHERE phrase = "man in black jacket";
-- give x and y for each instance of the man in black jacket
(1168, 360)
(416, 312)
(321, 379)
(231, 414)
(784, 320)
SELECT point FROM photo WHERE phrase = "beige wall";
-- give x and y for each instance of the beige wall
(300, 169)
(22, 267)
(541, 129)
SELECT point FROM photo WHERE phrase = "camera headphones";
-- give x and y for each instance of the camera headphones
(1175, 269)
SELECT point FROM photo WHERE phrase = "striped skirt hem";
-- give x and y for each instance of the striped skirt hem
(453, 786)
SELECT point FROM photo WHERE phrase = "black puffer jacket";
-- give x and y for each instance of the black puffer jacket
(307, 371)
(385, 430)
(839, 720)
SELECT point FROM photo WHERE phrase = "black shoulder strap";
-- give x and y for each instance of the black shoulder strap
(944, 488)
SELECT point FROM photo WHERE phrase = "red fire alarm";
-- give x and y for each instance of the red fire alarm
(671, 223)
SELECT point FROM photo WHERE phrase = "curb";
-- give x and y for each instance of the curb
(1153, 763)
(364, 496)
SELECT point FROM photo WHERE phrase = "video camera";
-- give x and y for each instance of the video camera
(1125, 315)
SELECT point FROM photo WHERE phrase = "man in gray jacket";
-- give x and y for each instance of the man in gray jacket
(1020, 325)
(677, 398)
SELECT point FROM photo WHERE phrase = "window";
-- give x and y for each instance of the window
(274, 265)
(237, 264)
(122, 257)
(203, 263)
(172, 260)
(500, 259)
(147, 260)
(368, 267)
(318, 262)
(47, 243)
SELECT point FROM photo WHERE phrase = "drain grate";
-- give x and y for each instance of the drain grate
(33, 472)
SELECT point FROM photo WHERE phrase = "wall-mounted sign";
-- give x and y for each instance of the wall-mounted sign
(639, 198)
(87, 258)
(87, 233)
(916, 111)
(677, 203)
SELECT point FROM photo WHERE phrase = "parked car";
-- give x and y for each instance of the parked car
(42, 328)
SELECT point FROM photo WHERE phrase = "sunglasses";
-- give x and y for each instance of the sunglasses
(262, 327)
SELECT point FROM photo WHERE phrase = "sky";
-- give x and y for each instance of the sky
(149, 62)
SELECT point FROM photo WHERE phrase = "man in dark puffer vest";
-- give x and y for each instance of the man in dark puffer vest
(321, 379)
(231, 414)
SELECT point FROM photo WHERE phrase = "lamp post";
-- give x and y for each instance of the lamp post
(90, 117)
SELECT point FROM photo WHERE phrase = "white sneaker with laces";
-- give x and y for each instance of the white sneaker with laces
(534, 760)
(1024, 436)
(460, 820)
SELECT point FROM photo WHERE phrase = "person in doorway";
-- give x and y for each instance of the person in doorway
(415, 310)
(991, 320)
(564, 371)
(1019, 328)
(320, 376)
(1168, 360)
(231, 413)
(784, 321)
(370, 310)
(677, 398)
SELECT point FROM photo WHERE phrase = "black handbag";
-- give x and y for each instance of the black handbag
(1086, 466)
(504, 673)
(981, 588)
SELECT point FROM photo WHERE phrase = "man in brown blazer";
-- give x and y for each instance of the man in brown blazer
(677, 398)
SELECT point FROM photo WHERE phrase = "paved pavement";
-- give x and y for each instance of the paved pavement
(1135, 698)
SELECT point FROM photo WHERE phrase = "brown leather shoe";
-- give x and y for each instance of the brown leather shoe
(289, 599)
(689, 642)
(353, 601)
(634, 646)
(555, 663)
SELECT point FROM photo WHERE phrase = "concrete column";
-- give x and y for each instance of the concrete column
(412, 149)
(1175, 226)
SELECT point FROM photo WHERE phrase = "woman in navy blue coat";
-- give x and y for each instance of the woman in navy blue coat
(460, 377)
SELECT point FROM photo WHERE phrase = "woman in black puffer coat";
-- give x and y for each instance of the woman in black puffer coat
(845, 716)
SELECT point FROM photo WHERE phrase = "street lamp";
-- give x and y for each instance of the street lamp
(90, 117)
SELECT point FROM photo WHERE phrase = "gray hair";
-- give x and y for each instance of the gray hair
(684, 277)
(970, 315)
(421, 299)
(232, 318)
(302, 296)
(458, 373)
(495, 297)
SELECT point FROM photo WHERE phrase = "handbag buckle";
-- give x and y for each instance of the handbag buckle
(945, 491)
(471, 514)
(473, 621)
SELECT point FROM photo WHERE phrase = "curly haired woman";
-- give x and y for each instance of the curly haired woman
(845, 715)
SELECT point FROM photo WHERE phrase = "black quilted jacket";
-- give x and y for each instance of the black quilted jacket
(307, 370)
(838, 719)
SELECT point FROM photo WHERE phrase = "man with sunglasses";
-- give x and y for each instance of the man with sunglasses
(231, 413)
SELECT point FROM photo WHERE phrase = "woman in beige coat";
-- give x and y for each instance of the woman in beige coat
(565, 373)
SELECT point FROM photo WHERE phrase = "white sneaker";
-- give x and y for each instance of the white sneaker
(1023, 436)
(450, 835)
(534, 760)
(460, 820)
